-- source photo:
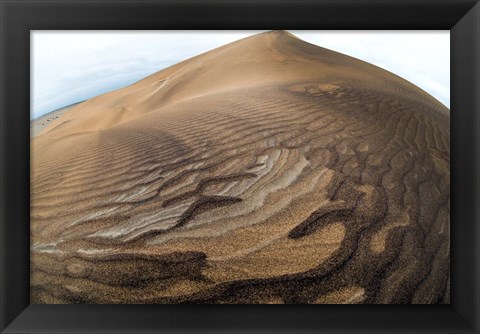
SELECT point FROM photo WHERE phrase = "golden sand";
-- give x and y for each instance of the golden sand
(268, 170)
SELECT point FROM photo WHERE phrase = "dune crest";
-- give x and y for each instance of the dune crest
(266, 170)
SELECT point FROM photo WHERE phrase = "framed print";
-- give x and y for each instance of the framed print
(242, 153)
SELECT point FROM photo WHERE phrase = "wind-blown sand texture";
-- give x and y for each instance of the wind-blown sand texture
(268, 170)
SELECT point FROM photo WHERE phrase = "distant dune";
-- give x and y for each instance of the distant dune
(269, 170)
(38, 124)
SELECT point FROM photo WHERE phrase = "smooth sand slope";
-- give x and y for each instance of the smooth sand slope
(268, 170)
(38, 124)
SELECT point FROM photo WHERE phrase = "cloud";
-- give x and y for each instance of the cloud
(71, 66)
(421, 57)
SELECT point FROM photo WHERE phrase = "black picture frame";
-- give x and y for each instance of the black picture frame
(18, 17)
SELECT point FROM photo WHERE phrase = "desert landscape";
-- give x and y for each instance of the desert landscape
(268, 170)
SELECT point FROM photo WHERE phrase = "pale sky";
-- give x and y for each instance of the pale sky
(71, 66)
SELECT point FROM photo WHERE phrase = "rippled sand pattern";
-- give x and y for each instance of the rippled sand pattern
(266, 171)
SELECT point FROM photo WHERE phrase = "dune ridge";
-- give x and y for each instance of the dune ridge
(269, 170)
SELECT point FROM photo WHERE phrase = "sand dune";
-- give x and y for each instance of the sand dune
(268, 170)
